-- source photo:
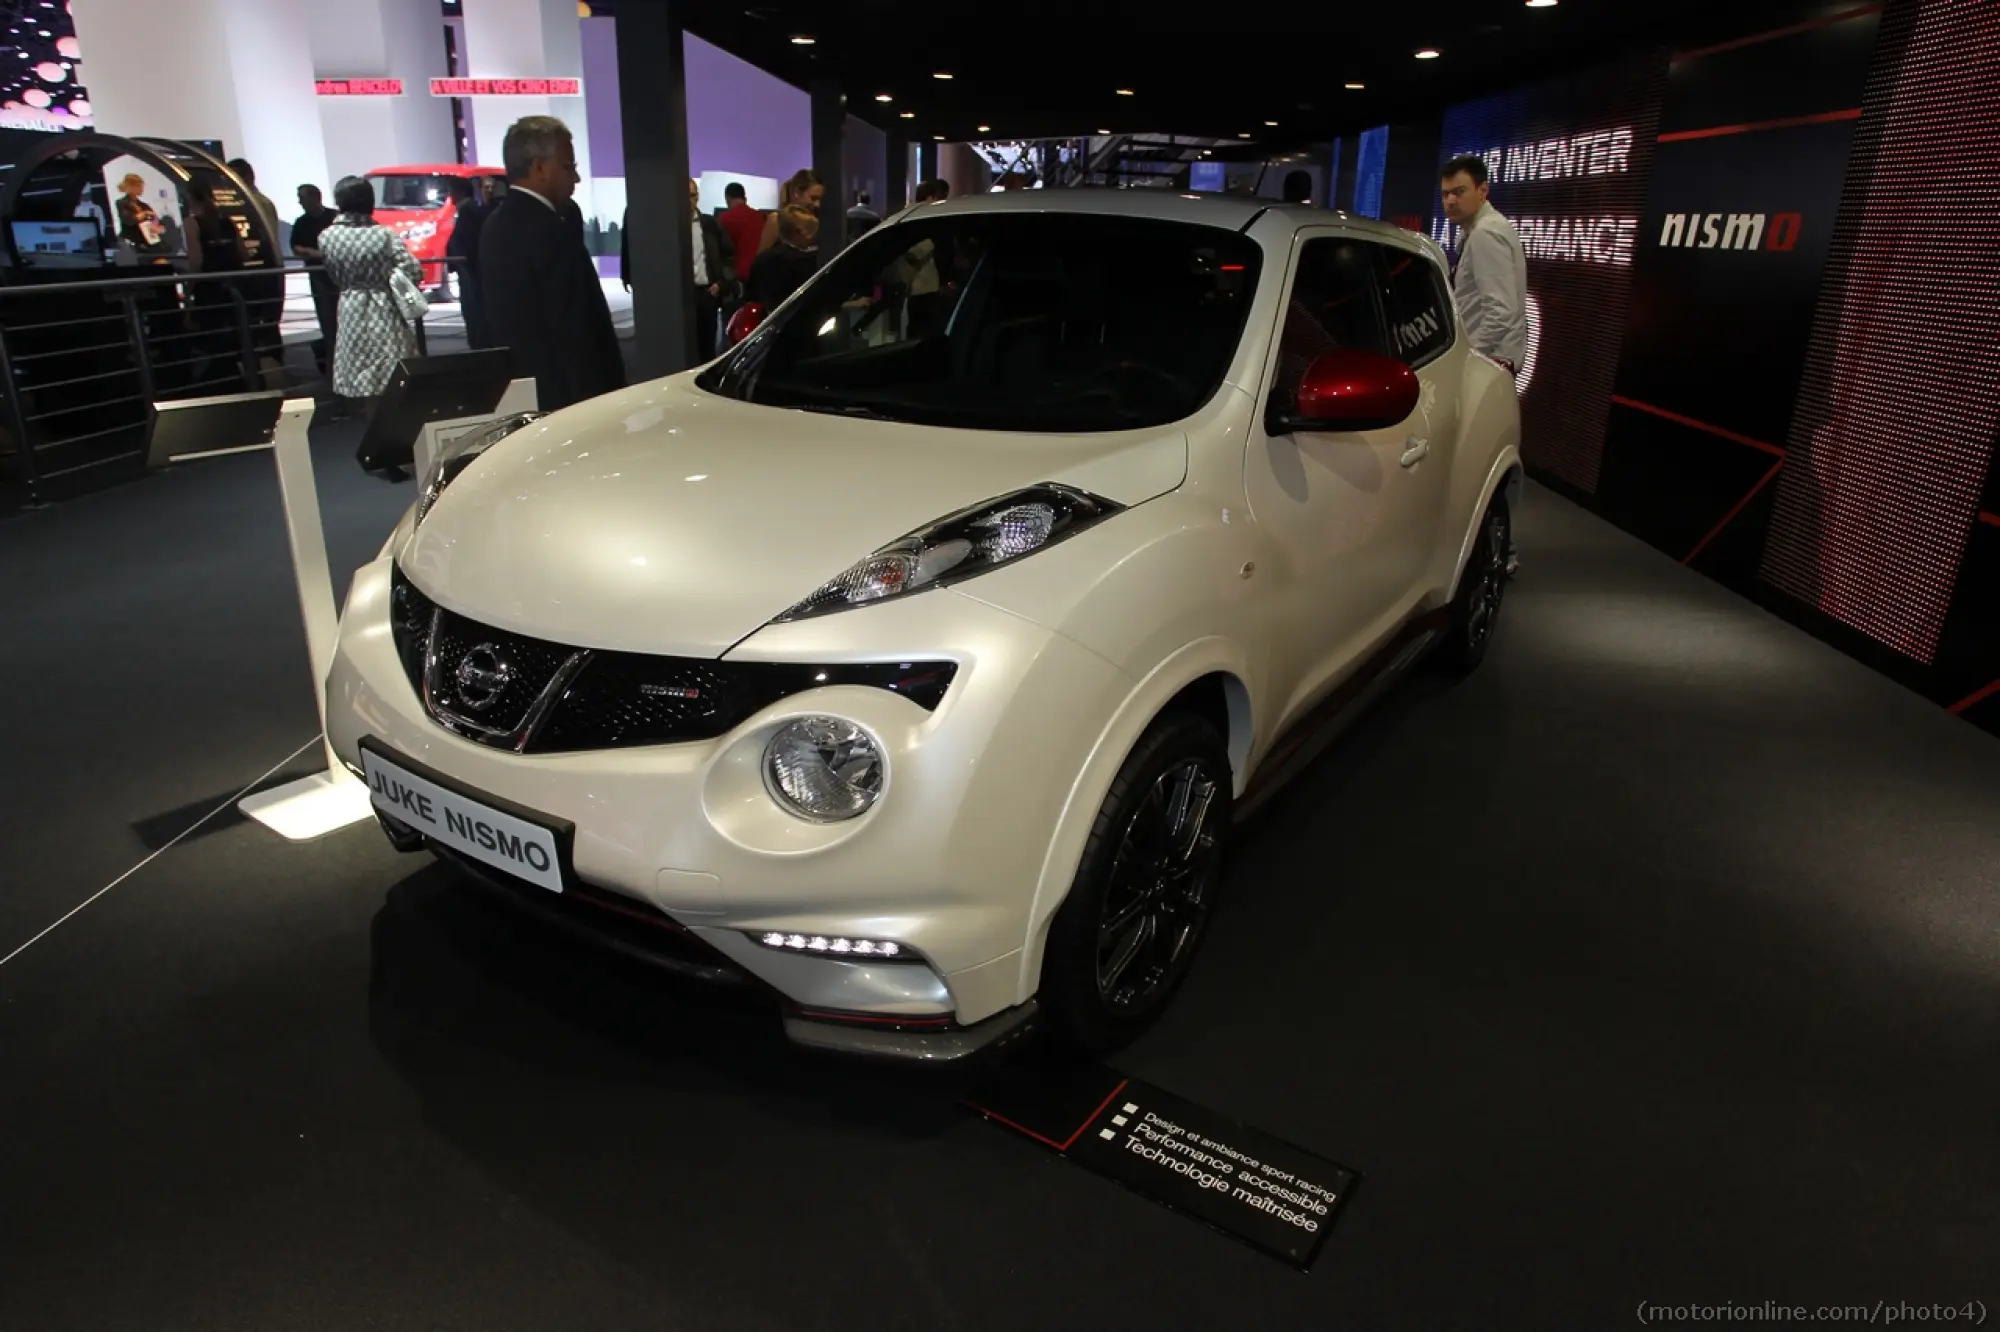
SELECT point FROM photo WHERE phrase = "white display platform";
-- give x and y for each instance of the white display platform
(333, 798)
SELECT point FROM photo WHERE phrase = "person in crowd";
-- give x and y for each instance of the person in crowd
(314, 218)
(543, 297)
(138, 223)
(803, 190)
(926, 268)
(744, 226)
(1298, 187)
(715, 284)
(784, 268)
(1490, 280)
(362, 257)
(213, 246)
(248, 175)
(861, 219)
(462, 261)
(267, 293)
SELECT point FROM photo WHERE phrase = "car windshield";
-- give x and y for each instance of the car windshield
(1042, 322)
(425, 192)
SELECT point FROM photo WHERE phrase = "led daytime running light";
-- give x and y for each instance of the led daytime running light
(835, 945)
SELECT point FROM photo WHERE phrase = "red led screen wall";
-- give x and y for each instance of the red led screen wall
(1569, 163)
(1893, 433)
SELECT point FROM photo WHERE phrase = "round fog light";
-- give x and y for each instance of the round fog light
(823, 769)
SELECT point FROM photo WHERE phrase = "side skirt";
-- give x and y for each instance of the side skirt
(1310, 736)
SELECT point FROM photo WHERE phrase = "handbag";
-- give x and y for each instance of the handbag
(410, 299)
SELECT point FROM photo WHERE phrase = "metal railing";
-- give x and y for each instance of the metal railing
(82, 363)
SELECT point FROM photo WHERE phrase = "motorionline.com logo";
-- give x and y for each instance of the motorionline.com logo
(1882, 1313)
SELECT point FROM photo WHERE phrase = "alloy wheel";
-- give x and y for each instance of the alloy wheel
(1484, 606)
(1161, 884)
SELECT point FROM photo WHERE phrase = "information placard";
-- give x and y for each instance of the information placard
(1268, 1193)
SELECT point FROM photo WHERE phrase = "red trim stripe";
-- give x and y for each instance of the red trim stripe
(1703, 426)
(1993, 518)
(1971, 700)
(1068, 1142)
(1123, 1083)
(1789, 122)
(1776, 33)
(1730, 517)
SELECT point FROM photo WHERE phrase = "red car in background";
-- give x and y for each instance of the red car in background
(415, 202)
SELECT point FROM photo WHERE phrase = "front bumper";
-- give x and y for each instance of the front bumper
(947, 862)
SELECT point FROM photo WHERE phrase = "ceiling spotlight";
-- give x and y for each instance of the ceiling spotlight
(940, 75)
(884, 97)
(1104, 131)
(938, 137)
(803, 40)
(1356, 87)
(1541, 4)
(985, 129)
(1243, 136)
(1427, 54)
(1272, 124)
(909, 115)
(1126, 92)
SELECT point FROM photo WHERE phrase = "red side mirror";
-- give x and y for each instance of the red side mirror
(1351, 389)
(744, 322)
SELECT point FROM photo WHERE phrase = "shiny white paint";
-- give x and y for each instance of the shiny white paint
(665, 520)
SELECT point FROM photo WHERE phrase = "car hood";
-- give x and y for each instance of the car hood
(667, 520)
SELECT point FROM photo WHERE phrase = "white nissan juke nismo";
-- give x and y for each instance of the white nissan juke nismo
(913, 660)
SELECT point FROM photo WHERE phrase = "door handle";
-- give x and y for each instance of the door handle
(1414, 451)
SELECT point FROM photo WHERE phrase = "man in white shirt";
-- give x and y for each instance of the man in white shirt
(1490, 280)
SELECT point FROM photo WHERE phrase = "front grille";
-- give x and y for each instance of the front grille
(538, 697)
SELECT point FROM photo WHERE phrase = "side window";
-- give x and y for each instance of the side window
(1334, 304)
(1419, 305)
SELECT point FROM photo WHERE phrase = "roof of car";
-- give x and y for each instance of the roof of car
(1221, 210)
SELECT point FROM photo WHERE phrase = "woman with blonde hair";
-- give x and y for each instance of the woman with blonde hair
(803, 190)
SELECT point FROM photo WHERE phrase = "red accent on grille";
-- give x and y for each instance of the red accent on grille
(1893, 433)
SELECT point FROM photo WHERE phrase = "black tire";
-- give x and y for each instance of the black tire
(1475, 608)
(1133, 885)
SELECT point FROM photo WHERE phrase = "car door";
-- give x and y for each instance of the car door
(1332, 507)
(1423, 335)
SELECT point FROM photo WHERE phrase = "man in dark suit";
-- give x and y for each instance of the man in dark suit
(543, 296)
(463, 253)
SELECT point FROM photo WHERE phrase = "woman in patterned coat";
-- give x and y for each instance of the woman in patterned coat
(361, 254)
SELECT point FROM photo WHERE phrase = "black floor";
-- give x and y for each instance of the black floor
(1659, 962)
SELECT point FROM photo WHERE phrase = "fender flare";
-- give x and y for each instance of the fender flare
(1142, 706)
(1506, 475)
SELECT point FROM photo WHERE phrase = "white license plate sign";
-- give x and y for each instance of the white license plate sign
(523, 849)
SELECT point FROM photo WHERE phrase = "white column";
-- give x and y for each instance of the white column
(382, 39)
(527, 39)
(236, 70)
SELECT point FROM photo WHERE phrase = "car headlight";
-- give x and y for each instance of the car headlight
(460, 454)
(964, 545)
(823, 769)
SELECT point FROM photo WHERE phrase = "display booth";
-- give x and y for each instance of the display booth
(87, 350)
(138, 192)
